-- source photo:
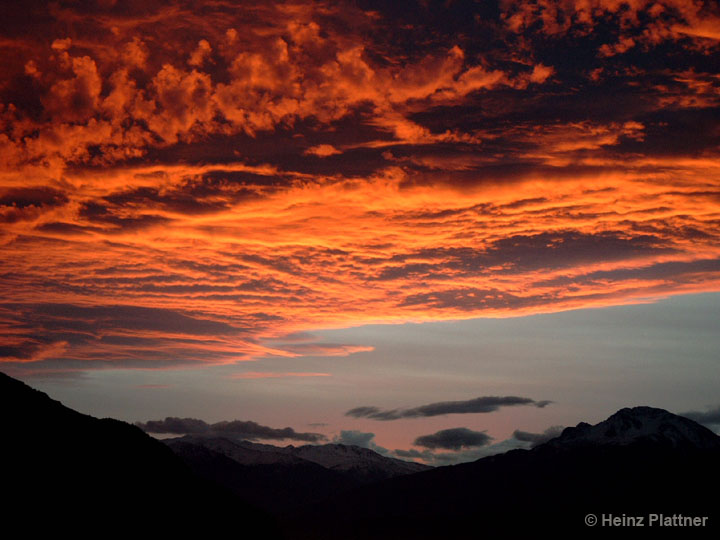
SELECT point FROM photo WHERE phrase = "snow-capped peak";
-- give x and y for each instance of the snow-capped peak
(639, 424)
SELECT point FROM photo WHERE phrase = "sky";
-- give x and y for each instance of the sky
(436, 229)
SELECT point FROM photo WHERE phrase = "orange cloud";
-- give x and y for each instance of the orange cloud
(322, 150)
(639, 21)
(120, 100)
(200, 54)
(350, 252)
(163, 203)
(708, 28)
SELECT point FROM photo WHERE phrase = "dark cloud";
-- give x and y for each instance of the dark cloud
(454, 439)
(175, 425)
(67, 335)
(66, 228)
(677, 271)
(22, 204)
(471, 299)
(252, 430)
(710, 418)
(237, 428)
(537, 438)
(484, 404)
(460, 455)
(363, 412)
(176, 201)
(24, 197)
(95, 319)
(98, 213)
(523, 253)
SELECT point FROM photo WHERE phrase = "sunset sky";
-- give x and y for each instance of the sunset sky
(371, 222)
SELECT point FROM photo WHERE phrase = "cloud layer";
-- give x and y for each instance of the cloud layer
(229, 173)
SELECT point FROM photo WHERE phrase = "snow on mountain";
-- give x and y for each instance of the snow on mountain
(636, 425)
(361, 463)
(243, 452)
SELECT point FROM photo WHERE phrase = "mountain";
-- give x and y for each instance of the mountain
(69, 473)
(276, 482)
(638, 462)
(283, 479)
(66, 472)
(240, 451)
(361, 464)
(639, 425)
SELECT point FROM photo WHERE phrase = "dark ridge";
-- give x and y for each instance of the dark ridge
(69, 473)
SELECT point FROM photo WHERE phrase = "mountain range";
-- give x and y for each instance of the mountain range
(66, 472)
(284, 479)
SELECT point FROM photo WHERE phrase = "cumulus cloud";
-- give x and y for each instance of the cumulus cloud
(484, 404)
(649, 22)
(454, 439)
(244, 81)
(199, 55)
(361, 439)
(244, 429)
(356, 438)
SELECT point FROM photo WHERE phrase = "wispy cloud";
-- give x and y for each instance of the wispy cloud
(276, 375)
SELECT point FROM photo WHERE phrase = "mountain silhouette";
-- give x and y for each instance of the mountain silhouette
(638, 462)
(68, 473)
(284, 479)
